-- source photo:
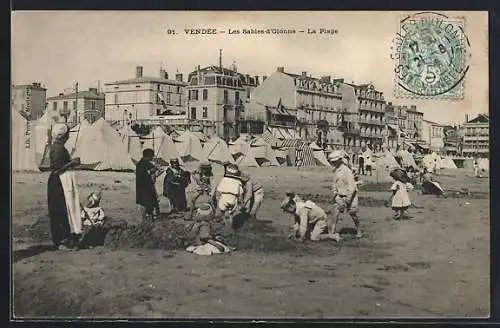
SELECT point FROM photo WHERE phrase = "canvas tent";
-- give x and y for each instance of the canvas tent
(102, 145)
(247, 160)
(153, 139)
(41, 130)
(448, 163)
(188, 146)
(215, 150)
(132, 142)
(239, 146)
(167, 149)
(23, 148)
(74, 135)
(430, 159)
(408, 159)
(263, 153)
(384, 165)
(484, 164)
(319, 154)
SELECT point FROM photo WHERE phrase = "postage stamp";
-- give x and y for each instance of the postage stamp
(430, 55)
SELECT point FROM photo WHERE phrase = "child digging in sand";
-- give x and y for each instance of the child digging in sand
(399, 193)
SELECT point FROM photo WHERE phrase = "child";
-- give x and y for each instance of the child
(399, 196)
(93, 221)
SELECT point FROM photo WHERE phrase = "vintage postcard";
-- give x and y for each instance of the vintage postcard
(250, 165)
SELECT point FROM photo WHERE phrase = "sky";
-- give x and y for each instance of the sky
(60, 48)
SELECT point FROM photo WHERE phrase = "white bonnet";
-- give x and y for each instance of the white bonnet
(58, 130)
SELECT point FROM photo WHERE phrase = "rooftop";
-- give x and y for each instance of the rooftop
(81, 94)
(245, 79)
(35, 85)
(148, 80)
(481, 118)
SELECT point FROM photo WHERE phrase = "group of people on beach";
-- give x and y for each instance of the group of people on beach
(235, 200)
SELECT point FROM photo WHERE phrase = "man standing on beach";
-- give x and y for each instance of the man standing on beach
(146, 196)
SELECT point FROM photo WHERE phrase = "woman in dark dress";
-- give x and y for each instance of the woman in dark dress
(60, 161)
(146, 196)
(175, 184)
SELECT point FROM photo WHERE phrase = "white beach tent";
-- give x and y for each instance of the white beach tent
(74, 135)
(239, 146)
(153, 139)
(408, 159)
(167, 149)
(189, 146)
(263, 152)
(448, 163)
(215, 150)
(23, 148)
(102, 144)
(484, 164)
(131, 141)
(42, 130)
(319, 154)
(384, 165)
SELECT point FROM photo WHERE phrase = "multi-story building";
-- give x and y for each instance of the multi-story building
(216, 98)
(371, 114)
(148, 100)
(433, 135)
(476, 136)
(316, 102)
(29, 99)
(452, 140)
(413, 128)
(83, 104)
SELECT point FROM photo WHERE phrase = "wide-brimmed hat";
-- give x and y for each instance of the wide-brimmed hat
(336, 155)
(232, 171)
(287, 201)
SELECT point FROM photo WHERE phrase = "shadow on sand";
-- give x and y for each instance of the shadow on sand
(22, 254)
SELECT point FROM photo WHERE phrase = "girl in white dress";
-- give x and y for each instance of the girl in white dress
(399, 195)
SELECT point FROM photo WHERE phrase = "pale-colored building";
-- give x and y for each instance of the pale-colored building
(313, 100)
(65, 108)
(216, 97)
(371, 114)
(433, 135)
(149, 100)
(29, 99)
(476, 136)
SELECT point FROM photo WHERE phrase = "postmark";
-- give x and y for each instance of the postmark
(430, 55)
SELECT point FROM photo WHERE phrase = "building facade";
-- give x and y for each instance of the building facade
(316, 102)
(476, 136)
(66, 108)
(371, 115)
(414, 121)
(148, 100)
(29, 99)
(404, 124)
(433, 135)
(215, 99)
(452, 140)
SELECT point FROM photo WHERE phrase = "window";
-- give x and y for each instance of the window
(92, 105)
(56, 119)
(237, 98)
(65, 105)
(226, 96)
(193, 95)
(54, 105)
(205, 112)
(116, 98)
(205, 94)
(74, 105)
(193, 113)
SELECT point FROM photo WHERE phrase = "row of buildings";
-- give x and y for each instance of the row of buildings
(324, 109)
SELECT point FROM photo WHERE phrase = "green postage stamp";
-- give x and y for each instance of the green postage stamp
(430, 54)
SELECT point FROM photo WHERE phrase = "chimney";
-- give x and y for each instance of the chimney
(304, 73)
(178, 77)
(163, 74)
(414, 107)
(264, 78)
(93, 90)
(138, 72)
(466, 118)
(61, 94)
(338, 80)
(281, 69)
(326, 79)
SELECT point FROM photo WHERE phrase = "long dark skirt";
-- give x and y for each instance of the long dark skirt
(177, 196)
(58, 215)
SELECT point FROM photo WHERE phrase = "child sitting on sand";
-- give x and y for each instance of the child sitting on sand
(93, 221)
(399, 193)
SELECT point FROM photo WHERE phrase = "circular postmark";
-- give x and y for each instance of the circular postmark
(430, 54)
